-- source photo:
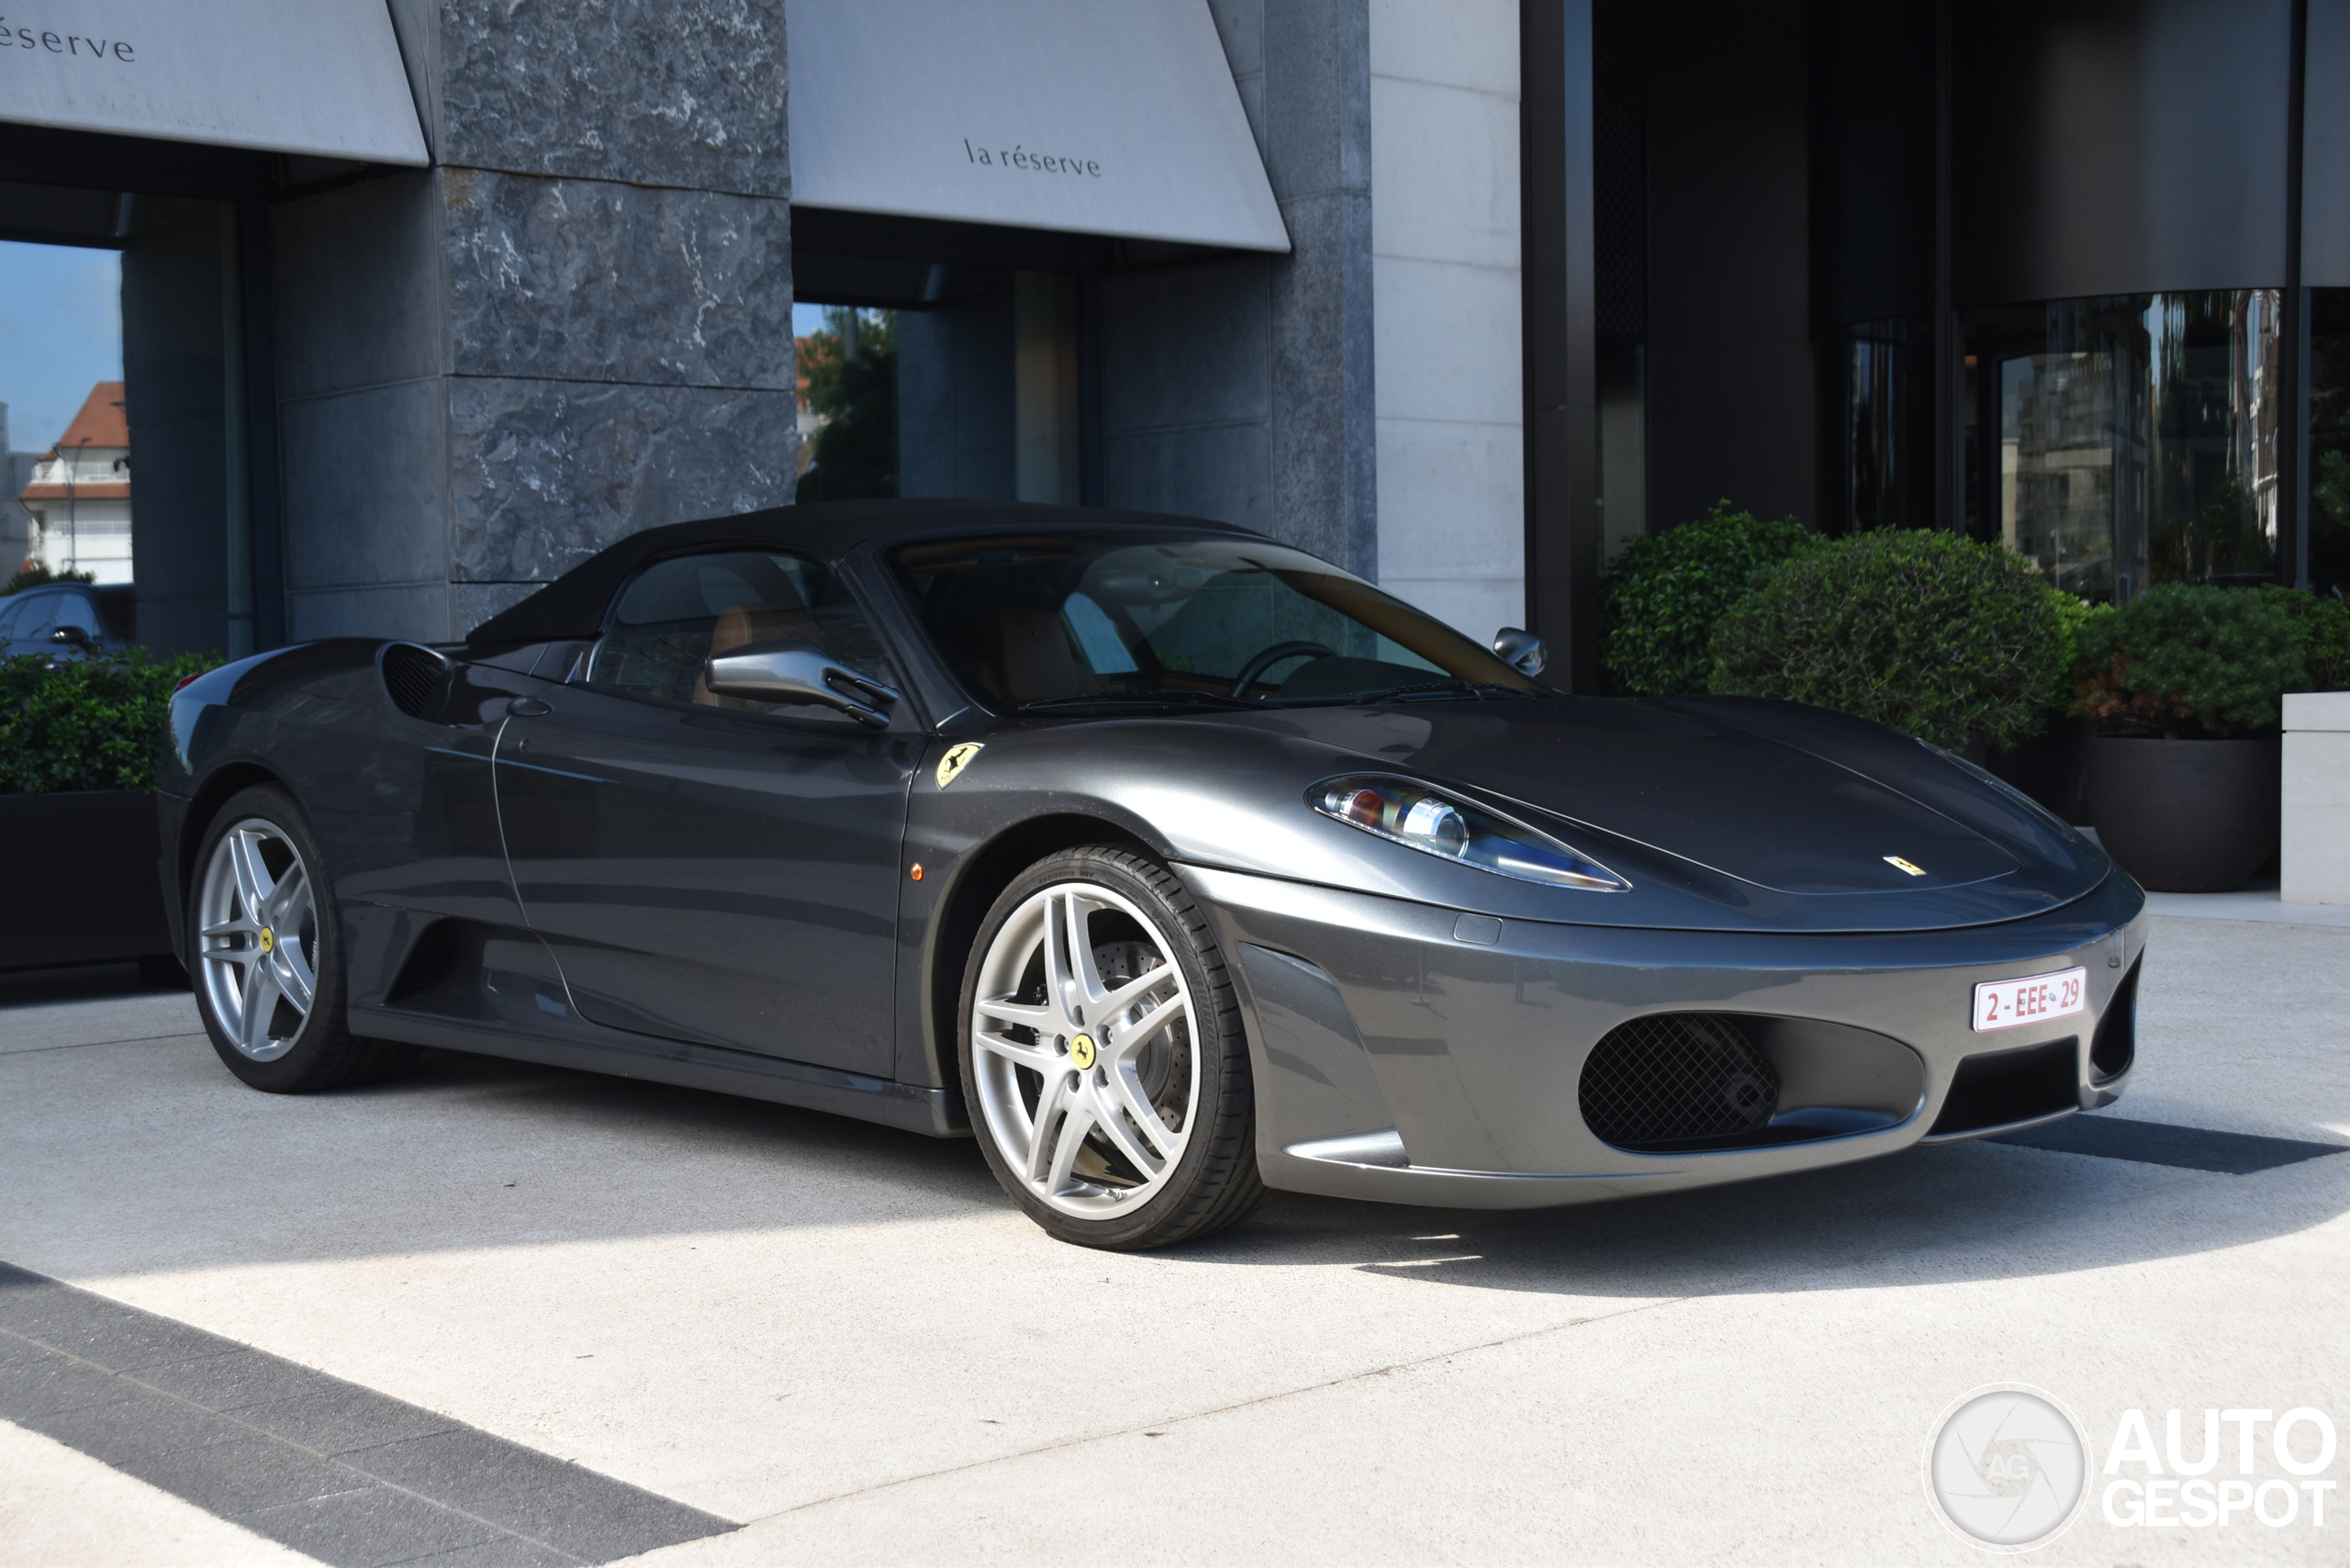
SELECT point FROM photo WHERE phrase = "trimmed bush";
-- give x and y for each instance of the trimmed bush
(86, 723)
(2324, 626)
(1955, 641)
(2195, 659)
(1668, 589)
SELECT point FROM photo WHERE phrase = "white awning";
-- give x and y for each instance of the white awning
(1091, 116)
(308, 76)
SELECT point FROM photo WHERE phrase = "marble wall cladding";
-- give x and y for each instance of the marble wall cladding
(590, 280)
(649, 91)
(1325, 429)
(547, 473)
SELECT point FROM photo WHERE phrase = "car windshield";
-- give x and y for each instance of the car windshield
(1073, 619)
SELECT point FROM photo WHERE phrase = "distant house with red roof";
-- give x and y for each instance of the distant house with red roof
(80, 494)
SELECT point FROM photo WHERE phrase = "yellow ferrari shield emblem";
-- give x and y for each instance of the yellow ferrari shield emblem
(957, 757)
(268, 939)
(1898, 864)
(1081, 1052)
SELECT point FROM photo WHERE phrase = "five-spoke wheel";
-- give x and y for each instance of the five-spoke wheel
(266, 952)
(257, 943)
(1102, 1055)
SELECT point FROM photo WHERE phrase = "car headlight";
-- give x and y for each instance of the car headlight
(1451, 828)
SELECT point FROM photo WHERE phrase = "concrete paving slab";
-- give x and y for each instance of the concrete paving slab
(846, 1336)
(60, 1508)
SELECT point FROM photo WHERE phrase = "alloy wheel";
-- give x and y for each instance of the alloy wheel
(257, 939)
(1083, 1046)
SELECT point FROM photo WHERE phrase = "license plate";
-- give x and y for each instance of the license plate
(2007, 1004)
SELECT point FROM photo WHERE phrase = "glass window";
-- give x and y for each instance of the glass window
(2135, 437)
(75, 609)
(32, 617)
(676, 614)
(1075, 618)
(9, 609)
(2329, 450)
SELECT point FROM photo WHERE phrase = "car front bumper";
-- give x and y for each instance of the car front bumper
(1405, 1053)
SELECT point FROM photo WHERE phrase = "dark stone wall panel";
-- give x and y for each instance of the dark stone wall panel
(2117, 147)
(547, 473)
(359, 286)
(2325, 148)
(1188, 346)
(589, 280)
(650, 92)
(1213, 471)
(366, 485)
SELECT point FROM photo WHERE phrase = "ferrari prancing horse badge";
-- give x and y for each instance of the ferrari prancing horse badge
(957, 757)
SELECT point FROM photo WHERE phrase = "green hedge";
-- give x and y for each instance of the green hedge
(1954, 640)
(86, 723)
(2194, 659)
(1667, 590)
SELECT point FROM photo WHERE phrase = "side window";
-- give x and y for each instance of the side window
(677, 613)
(10, 609)
(75, 609)
(35, 615)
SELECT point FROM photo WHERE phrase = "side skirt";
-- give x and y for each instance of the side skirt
(576, 1044)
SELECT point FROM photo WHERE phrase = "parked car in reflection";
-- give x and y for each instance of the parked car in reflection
(68, 620)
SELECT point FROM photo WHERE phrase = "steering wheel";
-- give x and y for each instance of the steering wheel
(1272, 656)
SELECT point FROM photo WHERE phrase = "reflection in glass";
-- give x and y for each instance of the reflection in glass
(2136, 437)
(2329, 452)
(1888, 426)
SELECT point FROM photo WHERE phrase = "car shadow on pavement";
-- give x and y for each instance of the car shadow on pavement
(1957, 1212)
(1961, 1211)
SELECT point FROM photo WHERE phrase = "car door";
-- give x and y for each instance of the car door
(708, 869)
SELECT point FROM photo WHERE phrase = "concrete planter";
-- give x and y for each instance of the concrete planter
(2314, 851)
(82, 886)
(2185, 817)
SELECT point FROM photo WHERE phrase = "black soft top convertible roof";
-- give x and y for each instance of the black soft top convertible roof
(574, 604)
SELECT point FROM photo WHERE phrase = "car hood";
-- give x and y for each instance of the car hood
(1723, 813)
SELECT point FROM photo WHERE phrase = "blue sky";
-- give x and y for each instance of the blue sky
(61, 329)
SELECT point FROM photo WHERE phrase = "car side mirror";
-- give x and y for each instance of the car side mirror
(72, 636)
(791, 669)
(1521, 650)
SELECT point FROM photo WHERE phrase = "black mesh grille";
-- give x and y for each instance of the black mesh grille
(415, 677)
(1678, 1081)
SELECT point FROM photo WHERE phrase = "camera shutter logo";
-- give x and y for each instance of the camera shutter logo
(2007, 1467)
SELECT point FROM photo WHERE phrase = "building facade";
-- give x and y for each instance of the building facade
(1464, 294)
(78, 496)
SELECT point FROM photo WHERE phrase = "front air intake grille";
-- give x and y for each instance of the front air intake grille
(416, 679)
(2115, 1044)
(1997, 1088)
(1679, 1081)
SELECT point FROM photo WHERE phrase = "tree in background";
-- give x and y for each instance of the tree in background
(849, 373)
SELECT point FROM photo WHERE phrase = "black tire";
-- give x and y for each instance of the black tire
(324, 1053)
(1213, 1182)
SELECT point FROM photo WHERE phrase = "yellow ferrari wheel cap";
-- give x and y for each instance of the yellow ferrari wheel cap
(957, 757)
(268, 939)
(1081, 1052)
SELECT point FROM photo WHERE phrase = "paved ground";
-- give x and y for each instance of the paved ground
(845, 1340)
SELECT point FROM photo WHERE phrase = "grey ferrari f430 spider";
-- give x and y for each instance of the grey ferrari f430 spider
(1169, 862)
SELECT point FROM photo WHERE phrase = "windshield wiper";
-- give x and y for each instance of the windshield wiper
(1094, 699)
(1450, 687)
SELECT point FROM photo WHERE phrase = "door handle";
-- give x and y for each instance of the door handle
(528, 708)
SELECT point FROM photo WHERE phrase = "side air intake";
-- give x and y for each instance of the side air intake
(415, 677)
